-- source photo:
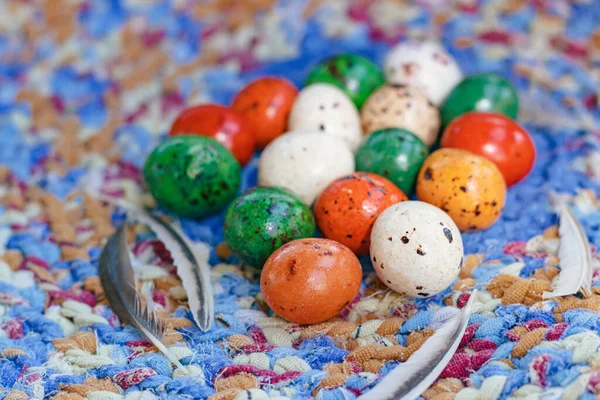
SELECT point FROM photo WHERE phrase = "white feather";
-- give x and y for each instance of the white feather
(574, 254)
(408, 380)
(192, 267)
(191, 261)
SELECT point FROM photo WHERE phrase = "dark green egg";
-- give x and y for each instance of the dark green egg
(355, 75)
(394, 153)
(482, 92)
(192, 176)
(262, 220)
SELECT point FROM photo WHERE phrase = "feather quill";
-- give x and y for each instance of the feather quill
(408, 380)
(119, 284)
(191, 263)
(574, 253)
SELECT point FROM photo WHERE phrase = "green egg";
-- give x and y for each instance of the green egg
(355, 75)
(482, 92)
(192, 176)
(395, 154)
(262, 220)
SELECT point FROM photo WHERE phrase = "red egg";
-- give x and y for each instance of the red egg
(266, 103)
(308, 281)
(496, 137)
(349, 206)
(221, 123)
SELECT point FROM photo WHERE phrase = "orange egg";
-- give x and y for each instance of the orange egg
(266, 104)
(308, 281)
(470, 188)
(349, 206)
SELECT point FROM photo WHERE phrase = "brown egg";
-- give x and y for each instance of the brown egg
(470, 188)
(403, 107)
(308, 281)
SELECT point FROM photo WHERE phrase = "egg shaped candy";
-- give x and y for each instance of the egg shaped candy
(266, 104)
(402, 107)
(348, 207)
(355, 75)
(325, 108)
(426, 65)
(482, 92)
(305, 163)
(220, 123)
(192, 176)
(308, 281)
(395, 154)
(416, 249)
(470, 188)
(263, 219)
(496, 137)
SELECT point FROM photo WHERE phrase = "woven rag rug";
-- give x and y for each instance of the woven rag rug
(89, 87)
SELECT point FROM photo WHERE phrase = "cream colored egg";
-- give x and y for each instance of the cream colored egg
(426, 65)
(304, 162)
(416, 249)
(403, 107)
(325, 108)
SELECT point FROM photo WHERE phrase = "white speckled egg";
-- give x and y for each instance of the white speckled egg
(325, 108)
(403, 107)
(426, 65)
(416, 249)
(304, 162)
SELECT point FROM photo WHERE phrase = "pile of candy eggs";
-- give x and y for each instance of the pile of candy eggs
(344, 155)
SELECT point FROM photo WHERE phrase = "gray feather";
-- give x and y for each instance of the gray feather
(192, 266)
(119, 284)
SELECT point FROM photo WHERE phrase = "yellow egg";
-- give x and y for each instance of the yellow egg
(470, 188)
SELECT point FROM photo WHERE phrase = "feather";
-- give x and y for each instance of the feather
(119, 284)
(574, 253)
(192, 265)
(408, 380)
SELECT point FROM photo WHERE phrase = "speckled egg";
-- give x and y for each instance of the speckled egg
(192, 176)
(355, 75)
(266, 104)
(325, 108)
(305, 163)
(416, 249)
(348, 207)
(403, 107)
(263, 219)
(470, 188)
(308, 281)
(395, 154)
(223, 124)
(426, 65)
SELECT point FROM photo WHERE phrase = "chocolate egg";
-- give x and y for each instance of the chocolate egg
(266, 104)
(305, 163)
(470, 188)
(325, 108)
(353, 74)
(192, 176)
(348, 207)
(426, 65)
(416, 249)
(263, 219)
(402, 107)
(308, 281)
